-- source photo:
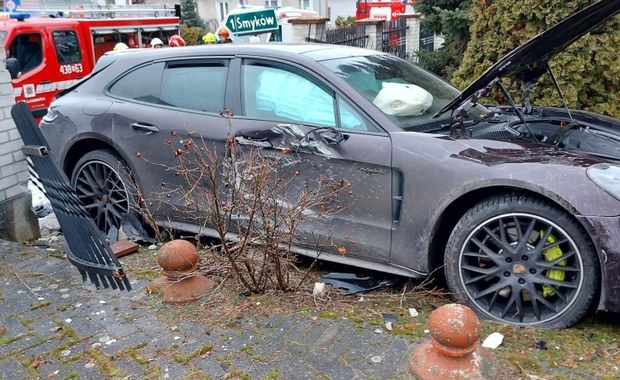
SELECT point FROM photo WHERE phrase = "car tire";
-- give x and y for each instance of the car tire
(522, 261)
(102, 182)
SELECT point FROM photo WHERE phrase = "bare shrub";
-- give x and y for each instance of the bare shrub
(254, 200)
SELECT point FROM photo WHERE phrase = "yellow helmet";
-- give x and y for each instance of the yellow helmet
(209, 38)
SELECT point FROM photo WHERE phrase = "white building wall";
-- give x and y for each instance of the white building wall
(343, 8)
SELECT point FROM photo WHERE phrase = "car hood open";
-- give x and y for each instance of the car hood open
(528, 61)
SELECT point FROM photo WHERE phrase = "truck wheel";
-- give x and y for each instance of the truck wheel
(522, 261)
(103, 184)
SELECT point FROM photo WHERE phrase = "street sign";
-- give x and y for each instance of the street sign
(254, 22)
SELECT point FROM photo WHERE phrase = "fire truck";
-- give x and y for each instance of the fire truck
(49, 51)
(378, 9)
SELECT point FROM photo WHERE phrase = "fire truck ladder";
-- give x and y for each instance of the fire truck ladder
(77, 9)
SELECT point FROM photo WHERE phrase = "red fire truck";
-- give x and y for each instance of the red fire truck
(382, 10)
(46, 55)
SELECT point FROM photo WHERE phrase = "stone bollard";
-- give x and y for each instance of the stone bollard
(181, 283)
(453, 352)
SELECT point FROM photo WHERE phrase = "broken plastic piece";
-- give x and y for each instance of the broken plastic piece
(355, 284)
(390, 321)
(134, 231)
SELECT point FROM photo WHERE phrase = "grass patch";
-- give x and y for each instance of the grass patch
(249, 351)
(105, 364)
(273, 374)
(193, 355)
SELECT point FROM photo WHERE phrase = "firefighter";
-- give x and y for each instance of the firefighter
(209, 38)
(224, 35)
(156, 43)
(176, 41)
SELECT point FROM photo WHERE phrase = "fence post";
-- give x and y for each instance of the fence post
(307, 27)
(374, 31)
(413, 34)
(17, 220)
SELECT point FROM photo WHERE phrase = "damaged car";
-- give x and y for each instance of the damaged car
(518, 207)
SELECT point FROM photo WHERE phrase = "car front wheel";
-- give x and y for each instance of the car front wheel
(520, 260)
(102, 183)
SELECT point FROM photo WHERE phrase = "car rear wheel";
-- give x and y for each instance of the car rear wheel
(520, 260)
(102, 182)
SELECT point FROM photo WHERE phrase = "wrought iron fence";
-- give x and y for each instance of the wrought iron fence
(349, 36)
(394, 37)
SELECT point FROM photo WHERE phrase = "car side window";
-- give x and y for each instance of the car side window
(196, 86)
(141, 84)
(276, 94)
(28, 50)
(280, 95)
(67, 47)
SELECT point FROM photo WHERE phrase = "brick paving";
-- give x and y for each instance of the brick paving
(54, 326)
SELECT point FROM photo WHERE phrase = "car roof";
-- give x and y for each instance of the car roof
(316, 52)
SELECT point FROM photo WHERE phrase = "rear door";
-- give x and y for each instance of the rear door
(159, 107)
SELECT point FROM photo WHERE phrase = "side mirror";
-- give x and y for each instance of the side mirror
(12, 65)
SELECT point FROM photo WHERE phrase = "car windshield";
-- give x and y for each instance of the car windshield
(406, 93)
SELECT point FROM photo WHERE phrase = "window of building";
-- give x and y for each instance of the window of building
(222, 10)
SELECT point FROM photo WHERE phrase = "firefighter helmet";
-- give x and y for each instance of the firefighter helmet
(156, 43)
(223, 33)
(209, 38)
(176, 41)
(120, 46)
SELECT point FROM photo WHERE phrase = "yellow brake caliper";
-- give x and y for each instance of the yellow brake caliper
(554, 274)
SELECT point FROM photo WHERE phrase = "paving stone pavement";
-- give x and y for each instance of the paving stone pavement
(54, 326)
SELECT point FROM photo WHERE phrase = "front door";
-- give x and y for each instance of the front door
(290, 112)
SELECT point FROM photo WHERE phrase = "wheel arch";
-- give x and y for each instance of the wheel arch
(459, 206)
(83, 147)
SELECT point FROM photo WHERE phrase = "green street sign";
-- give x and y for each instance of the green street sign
(252, 22)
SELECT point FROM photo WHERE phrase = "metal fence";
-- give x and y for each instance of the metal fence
(394, 37)
(350, 36)
(427, 37)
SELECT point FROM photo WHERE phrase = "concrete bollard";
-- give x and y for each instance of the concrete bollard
(453, 352)
(181, 283)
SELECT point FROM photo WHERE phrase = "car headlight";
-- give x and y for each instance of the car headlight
(607, 177)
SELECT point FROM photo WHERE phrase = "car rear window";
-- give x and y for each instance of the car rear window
(190, 85)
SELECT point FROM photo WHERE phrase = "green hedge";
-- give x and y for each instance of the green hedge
(588, 71)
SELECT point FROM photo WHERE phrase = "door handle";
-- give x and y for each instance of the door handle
(144, 127)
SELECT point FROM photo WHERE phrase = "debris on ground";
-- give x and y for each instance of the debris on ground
(319, 290)
(124, 247)
(354, 284)
(390, 321)
(493, 341)
(413, 313)
(540, 345)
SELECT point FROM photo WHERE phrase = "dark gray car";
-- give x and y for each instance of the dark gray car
(523, 220)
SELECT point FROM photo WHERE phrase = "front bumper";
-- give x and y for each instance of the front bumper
(605, 233)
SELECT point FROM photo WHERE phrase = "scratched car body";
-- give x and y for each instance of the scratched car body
(513, 206)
